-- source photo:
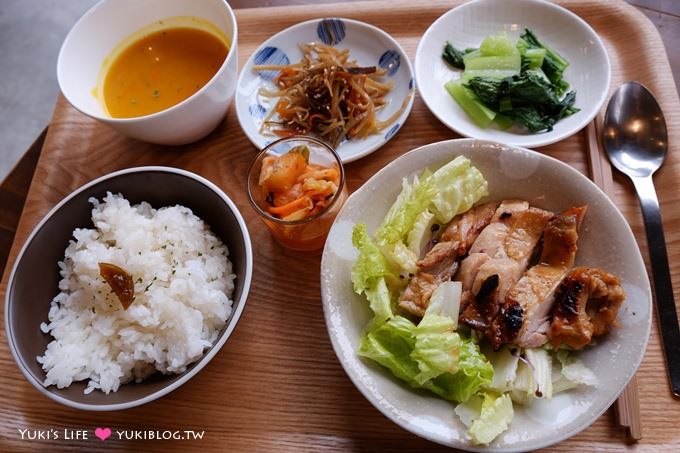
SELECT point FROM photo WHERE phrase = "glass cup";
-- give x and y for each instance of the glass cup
(307, 234)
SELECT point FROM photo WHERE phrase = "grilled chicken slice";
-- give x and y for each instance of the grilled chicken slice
(488, 245)
(586, 306)
(524, 317)
(441, 263)
(508, 242)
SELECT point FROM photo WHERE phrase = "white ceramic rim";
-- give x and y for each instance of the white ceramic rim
(423, 433)
(204, 360)
(98, 115)
(539, 141)
(369, 149)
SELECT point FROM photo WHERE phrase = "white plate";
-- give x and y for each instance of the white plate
(605, 241)
(466, 26)
(368, 45)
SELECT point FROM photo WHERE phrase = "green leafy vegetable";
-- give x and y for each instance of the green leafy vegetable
(531, 99)
(452, 189)
(503, 122)
(436, 348)
(453, 56)
(413, 200)
(370, 273)
(487, 90)
(459, 185)
(570, 373)
(480, 113)
(522, 80)
(498, 45)
(437, 345)
(380, 301)
(431, 354)
(401, 258)
(553, 64)
(391, 344)
(496, 415)
(504, 368)
(508, 62)
(488, 73)
(371, 265)
(470, 410)
(419, 235)
(474, 373)
(534, 57)
(530, 87)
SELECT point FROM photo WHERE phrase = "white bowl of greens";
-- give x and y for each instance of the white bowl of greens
(526, 73)
(578, 397)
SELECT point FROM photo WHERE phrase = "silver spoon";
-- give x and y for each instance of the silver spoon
(636, 140)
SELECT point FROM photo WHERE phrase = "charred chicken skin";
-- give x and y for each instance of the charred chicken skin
(585, 307)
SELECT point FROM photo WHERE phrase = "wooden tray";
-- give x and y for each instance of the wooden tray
(277, 383)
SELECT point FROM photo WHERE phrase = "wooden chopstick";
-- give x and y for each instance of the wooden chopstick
(627, 406)
(600, 168)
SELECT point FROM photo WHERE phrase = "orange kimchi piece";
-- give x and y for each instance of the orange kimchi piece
(293, 188)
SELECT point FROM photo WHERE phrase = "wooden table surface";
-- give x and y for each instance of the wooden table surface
(277, 383)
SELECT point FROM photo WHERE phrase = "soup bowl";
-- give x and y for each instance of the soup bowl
(96, 36)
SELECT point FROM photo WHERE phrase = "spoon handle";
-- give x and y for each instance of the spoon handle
(663, 287)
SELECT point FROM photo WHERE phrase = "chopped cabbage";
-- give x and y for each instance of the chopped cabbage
(421, 232)
(496, 415)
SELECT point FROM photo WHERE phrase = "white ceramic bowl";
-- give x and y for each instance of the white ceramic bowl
(605, 241)
(105, 25)
(467, 25)
(368, 45)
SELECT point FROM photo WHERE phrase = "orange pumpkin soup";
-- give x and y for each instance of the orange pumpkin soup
(161, 69)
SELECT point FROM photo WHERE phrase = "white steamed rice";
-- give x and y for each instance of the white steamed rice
(183, 285)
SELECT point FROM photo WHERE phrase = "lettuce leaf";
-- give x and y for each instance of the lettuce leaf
(413, 200)
(542, 381)
(570, 373)
(371, 273)
(371, 265)
(445, 301)
(430, 355)
(458, 187)
(504, 368)
(496, 415)
(421, 232)
(470, 410)
(380, 301)
(401, 258)
(474, 372)
(523, 387)
(452, 189)
(391, 344)
(437, 345)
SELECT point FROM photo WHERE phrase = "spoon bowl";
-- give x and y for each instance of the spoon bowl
(635, 132)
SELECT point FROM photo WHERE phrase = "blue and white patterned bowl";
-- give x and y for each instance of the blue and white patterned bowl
(368, 45)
